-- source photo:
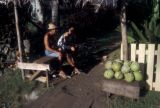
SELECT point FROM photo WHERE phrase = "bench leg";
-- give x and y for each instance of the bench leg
(47, 79)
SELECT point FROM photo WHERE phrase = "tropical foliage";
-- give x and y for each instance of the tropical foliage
(149, 30)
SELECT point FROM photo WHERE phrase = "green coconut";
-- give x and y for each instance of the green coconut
(109, 74)
(134, 66)
(129, 77)
(118, 75)
(138, 76)
(126, 62)
(108, 65)
(118, 60)
(116, 66)
(125, 68)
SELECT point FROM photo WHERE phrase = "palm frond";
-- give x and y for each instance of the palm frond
(18, 2)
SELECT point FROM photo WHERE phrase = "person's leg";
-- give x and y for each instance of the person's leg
(56, 55)
(71, 62)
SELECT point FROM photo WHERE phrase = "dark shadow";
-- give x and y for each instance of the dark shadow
(144, 87)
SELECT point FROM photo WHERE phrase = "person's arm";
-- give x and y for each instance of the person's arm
(46, 44)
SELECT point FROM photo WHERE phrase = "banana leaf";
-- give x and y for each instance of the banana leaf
(139, 33)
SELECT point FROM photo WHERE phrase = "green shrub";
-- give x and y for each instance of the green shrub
(12, 89)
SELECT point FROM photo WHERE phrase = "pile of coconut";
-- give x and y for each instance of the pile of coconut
(126, 70)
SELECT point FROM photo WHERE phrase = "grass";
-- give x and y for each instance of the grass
(13, 89)
(151, 100)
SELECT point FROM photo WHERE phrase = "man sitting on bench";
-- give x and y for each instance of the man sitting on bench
(67, 49)
(50, 46)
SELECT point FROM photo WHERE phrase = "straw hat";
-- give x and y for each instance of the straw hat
(51, 26)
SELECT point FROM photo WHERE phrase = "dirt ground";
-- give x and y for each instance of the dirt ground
(81, 91)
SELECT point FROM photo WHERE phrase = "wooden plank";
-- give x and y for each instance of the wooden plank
(150, 64)
(120, 87)
(41, 78)
(141, 53)
(133, 52)
(156, 52)
(33, 66)
(156, 86)
(44, 59)
(35, 74)
(157, 81)
(46, 80)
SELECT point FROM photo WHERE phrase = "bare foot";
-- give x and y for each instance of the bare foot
(76, 71)
(62, 75)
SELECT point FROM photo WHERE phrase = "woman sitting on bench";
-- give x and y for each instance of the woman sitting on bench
(50, 47)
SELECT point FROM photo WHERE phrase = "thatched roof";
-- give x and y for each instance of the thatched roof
(19, 2)
(98, 3)
(112, 3)
(107, 3)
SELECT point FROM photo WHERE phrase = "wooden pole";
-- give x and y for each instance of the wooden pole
(18, 35)
(124, 31)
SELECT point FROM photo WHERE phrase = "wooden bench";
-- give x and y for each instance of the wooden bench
(122, 88)
(40, 65)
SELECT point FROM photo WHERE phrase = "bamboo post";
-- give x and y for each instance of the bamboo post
(18, 36)
(124, 31)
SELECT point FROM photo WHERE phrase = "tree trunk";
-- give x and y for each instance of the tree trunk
(54, 10)
(37, 13)
(18, 36)
(124, 32)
